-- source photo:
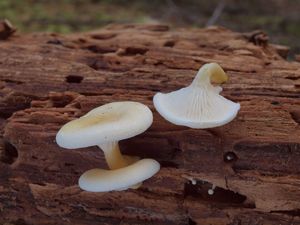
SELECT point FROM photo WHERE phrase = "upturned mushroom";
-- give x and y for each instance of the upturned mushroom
(99, 180)
(199, 105)
(105, 126)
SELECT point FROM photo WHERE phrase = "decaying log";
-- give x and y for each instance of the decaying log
(47, 80)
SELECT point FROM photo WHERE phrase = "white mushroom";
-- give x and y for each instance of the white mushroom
(212, 190)
(105, 126)
(99, 180)
(199, 105)
(191, 179)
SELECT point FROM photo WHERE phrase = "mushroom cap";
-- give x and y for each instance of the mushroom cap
(99, 180)
(217, 73)
(199, 105)
(107, 123)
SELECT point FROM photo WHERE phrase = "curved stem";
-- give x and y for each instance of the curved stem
(202, 77)
(113, 156)
(210, 72)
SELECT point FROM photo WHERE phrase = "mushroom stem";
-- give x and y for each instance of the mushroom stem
(210, 72)
(115, 159)
(113, 156)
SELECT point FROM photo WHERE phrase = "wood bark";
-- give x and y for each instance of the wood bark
(47, 80)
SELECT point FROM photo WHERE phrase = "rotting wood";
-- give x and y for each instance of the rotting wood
(49, 79)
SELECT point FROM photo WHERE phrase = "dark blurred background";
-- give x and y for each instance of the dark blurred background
(280, 19)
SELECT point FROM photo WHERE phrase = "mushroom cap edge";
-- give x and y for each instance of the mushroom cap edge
(107, 123)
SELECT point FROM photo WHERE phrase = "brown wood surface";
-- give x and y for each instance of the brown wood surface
(47, 80)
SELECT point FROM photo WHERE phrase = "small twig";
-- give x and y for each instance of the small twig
(217, 13)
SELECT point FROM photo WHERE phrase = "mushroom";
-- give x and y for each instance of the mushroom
(199, 105)
(212, 190)
(99, 180)
(105, 126)
(191, 179)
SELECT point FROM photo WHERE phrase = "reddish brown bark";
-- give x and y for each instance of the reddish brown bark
(49, 79)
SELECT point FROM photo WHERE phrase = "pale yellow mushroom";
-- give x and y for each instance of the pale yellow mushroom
(199, 105)
(99, 180)
(105, 126)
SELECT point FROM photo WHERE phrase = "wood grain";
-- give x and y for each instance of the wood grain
(47, 80)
